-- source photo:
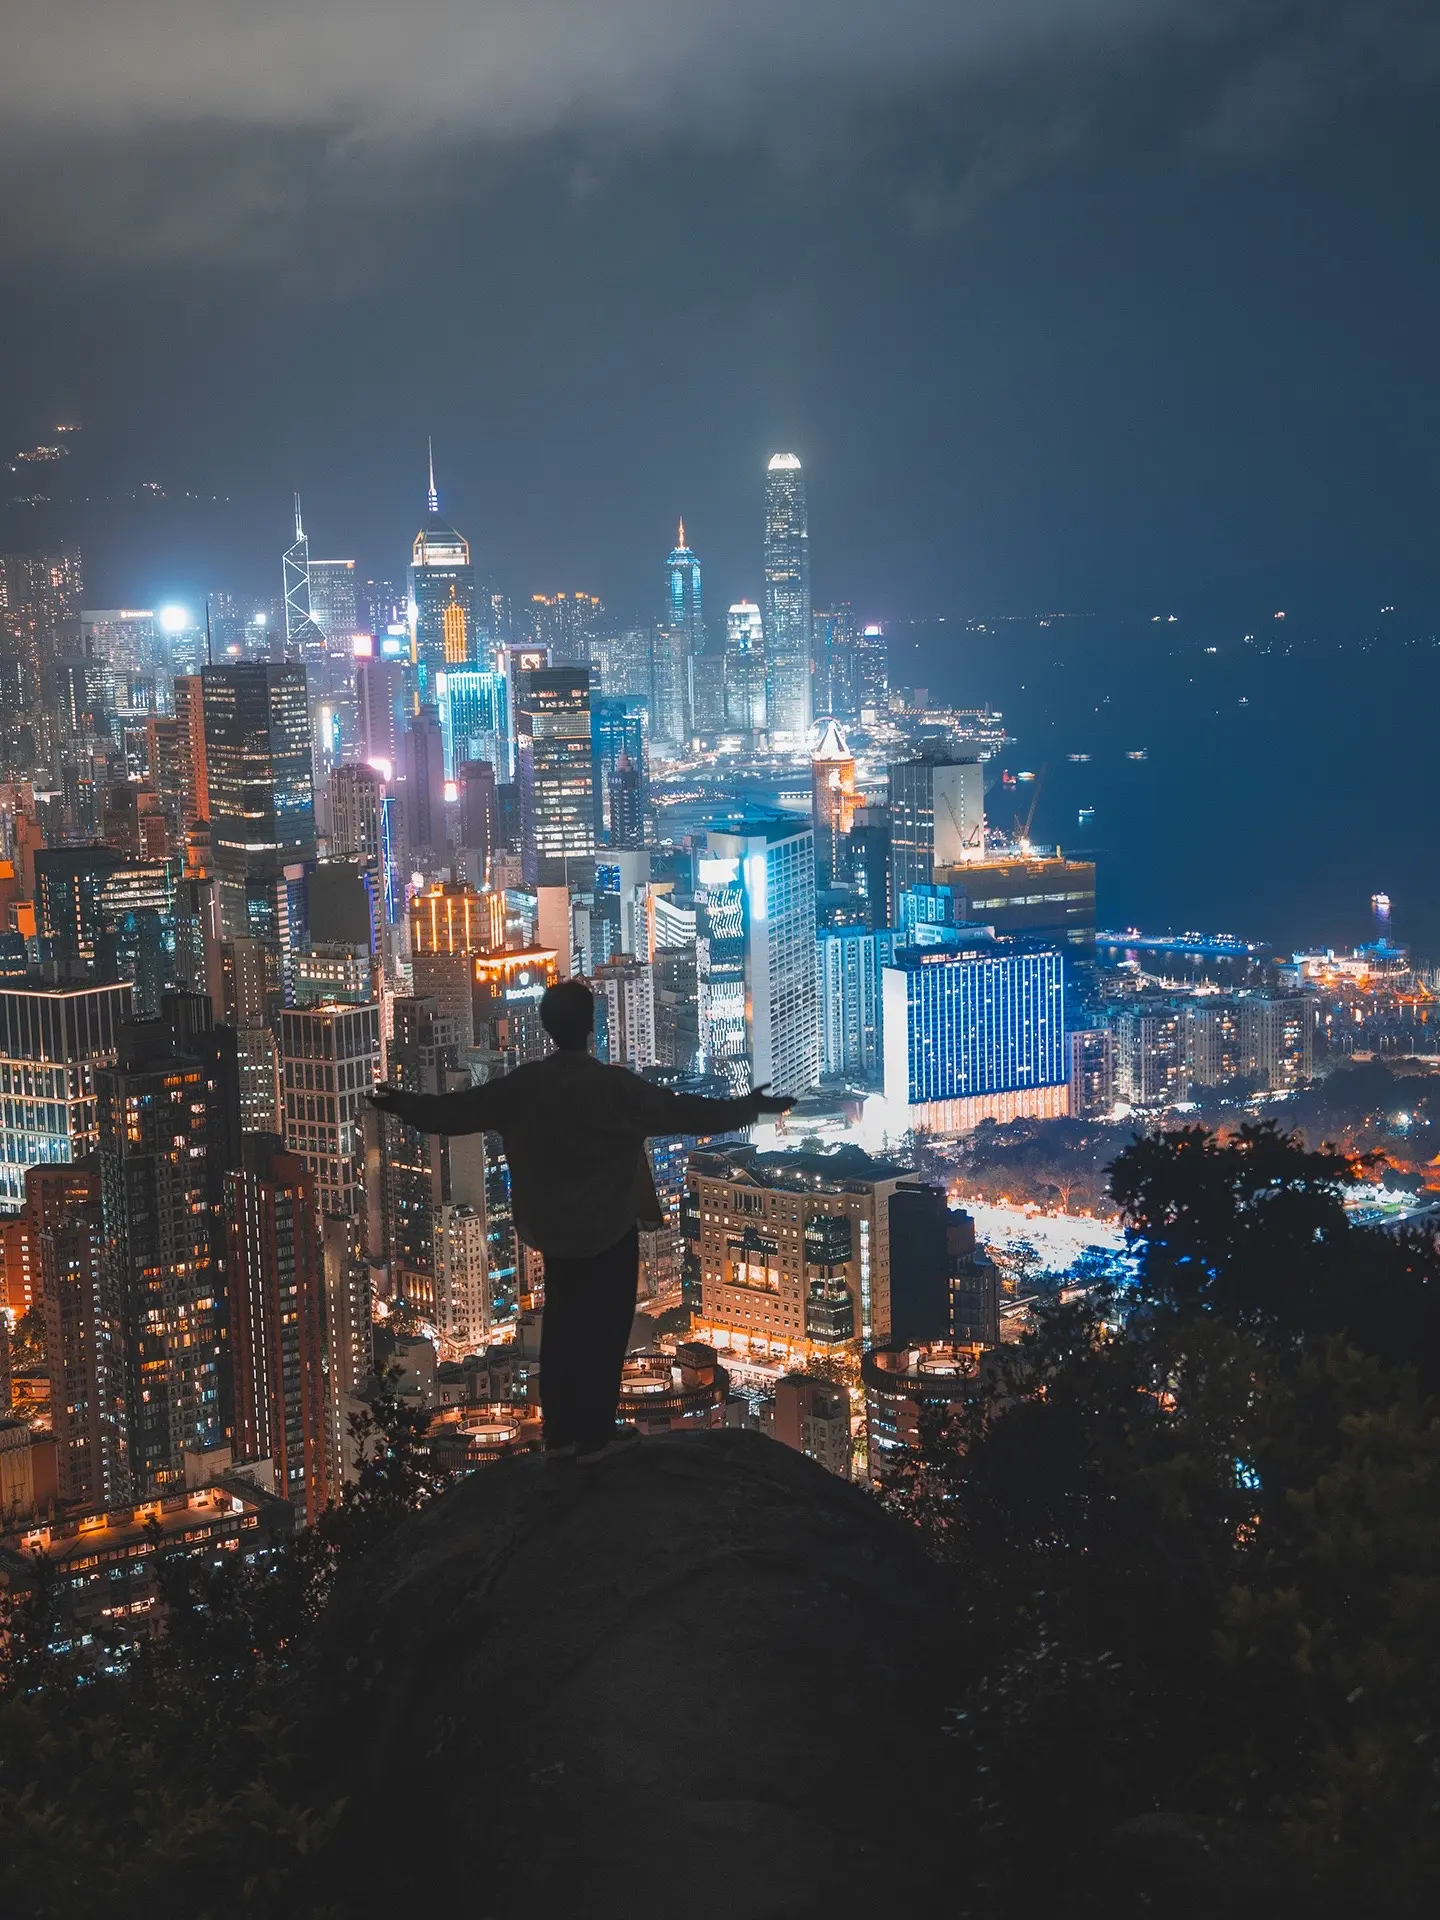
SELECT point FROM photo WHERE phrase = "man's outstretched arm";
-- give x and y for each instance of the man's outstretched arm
(652, 1110)
(468, 1110)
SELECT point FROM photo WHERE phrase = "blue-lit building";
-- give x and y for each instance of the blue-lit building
(53, 1041)
(974, 1035)
(850, 965)
(474, 718)
(619, 730)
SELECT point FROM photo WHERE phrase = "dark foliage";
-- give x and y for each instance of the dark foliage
(1198, 1548)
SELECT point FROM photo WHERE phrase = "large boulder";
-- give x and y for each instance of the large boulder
(696, 1679)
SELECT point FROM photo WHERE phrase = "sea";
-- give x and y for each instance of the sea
(1262, 772)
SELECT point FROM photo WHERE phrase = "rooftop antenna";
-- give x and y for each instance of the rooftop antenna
(432, 498)
(682, 533)
(299, 530)
(209, 651)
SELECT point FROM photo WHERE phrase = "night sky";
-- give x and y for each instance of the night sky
(1088, 304)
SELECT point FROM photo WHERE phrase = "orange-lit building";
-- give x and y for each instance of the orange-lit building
(452, 919)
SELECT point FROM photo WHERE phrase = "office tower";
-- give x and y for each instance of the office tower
(813, 1416)
(258, 771)
(684, 614)
(670, 691)
(872, 675)
(52, 1041)
(850, 963)
(833, 801)
(64, 1230)
(677, 1008)
(332, 604)
(441, 584)
(384, 711)
(425, 786)
(836, 665)
(380, 605)
(745, 710)
(507, 995)
(70, 901)
(132, 823)
(870, 863)
(625, 803)
(161, 1262)
(565, 624)
(623, 912)
(787, 603)
(304, 640)
(620, 731)
(276, 1289)
(476, 781)
(627, 663)
(920, 1264)
(474, 717)
(974, 1035)
(121, 640)
(357, 799)
(793, 1250)
(329, 1061)
(1042, 900)
(625, 1029)
(759, 997)
(40, 595)
(937, 819)
(189, 703)
(555, 767)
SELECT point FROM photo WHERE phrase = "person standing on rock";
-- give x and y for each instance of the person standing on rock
(580, 1188)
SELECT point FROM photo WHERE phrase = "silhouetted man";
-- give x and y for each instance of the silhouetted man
(580, 1187)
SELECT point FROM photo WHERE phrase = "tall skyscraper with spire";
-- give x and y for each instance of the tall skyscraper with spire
(304, 639)
(787, 612)
(702, 685)
(441, 595)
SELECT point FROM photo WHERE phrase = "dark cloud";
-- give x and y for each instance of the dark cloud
(224, 128)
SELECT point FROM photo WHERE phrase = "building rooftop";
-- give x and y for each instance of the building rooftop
(806, 1171)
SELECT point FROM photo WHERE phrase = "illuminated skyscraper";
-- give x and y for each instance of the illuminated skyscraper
(565, 624)
(788, 617)
(474, 717)
(937, 819)
(759, 995)
(745, 669)
(329, 1061)
(162, 1258)
(556, 771)
(975, 1035)
(55, 1038)
(837, 666)
(704, 677)
(441, 584)
(620, 730)
(258, 769)
(332, 603)
(304, 640)
(276, 1294)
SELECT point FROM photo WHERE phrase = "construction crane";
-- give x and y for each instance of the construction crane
(1022, 834)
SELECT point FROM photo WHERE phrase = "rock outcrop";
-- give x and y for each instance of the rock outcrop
(695, 1680)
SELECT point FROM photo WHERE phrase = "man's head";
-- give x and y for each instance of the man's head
(567, 1013)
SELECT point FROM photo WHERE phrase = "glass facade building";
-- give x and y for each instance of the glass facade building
(441, 598)
(556, 771)
(788, 614)
(756, 956)
(260, 779)
(619, 730)
(474, 718)
(52, 1042)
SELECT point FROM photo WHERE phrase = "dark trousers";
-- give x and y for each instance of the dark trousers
(589, 1308)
